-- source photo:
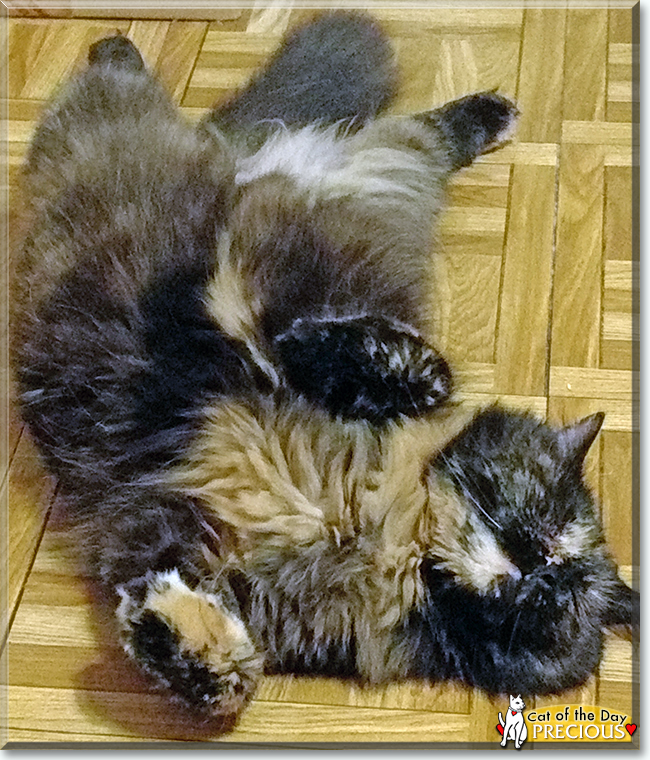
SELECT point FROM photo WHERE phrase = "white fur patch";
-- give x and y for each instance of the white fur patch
(483, 562)
(574, 541)
(378, 164)
(505, 135)
(306, 155)
(463, 544)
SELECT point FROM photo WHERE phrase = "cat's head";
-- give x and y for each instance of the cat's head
(523, 480)
(527, 512)
(519, 586)
(517, 703)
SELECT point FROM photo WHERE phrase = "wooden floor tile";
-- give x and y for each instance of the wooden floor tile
(535, 305)
(585, 65)
(522, 356)
(542, 67)
(578, 265)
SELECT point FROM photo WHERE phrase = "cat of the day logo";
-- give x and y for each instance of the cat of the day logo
(563, 723)
(514, 726)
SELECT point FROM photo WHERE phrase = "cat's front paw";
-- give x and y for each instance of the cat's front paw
(364, 367)
(191, 644)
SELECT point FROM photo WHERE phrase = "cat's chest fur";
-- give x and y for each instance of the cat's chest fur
(287, 475)
(306, 155)
(296, 487)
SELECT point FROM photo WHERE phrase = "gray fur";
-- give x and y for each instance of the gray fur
(338, 67)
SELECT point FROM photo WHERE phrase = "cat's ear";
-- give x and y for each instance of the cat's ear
(576, 439)
(624, 609)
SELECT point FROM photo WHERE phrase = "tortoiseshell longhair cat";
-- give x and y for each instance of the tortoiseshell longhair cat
(220, 351)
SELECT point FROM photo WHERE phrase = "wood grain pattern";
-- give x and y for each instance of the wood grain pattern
(578, 266)
(521, 356)
(542, 67)
(617, 470)
(29, 492)
(81, 9)
(535, 304)
(584, 89)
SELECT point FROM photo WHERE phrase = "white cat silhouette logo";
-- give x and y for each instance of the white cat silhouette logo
(514, 727)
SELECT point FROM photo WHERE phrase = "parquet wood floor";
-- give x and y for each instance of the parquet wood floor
(535, 304)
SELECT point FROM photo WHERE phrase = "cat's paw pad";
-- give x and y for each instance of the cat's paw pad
(192, 645)
(117, 50)
(364, 367)
(474, 125)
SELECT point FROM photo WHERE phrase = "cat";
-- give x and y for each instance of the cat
(520, 599)
(514, 726)
(220, 349)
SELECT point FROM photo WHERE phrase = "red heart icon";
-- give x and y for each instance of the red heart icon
(631, 728)
(500, 729)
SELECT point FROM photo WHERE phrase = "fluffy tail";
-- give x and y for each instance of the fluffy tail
(338, 67)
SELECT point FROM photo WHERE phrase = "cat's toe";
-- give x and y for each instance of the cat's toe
(117, 50)
(192, 645)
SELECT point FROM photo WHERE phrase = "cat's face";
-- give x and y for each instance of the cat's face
(522, 481)
(517, 703)
(517, 573)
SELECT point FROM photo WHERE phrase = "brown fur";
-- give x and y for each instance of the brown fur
(369, 219)
(77, 134)
(204, 630)
(295, 484)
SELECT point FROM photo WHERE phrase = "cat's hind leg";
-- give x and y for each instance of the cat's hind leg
(177, 615)
(117, 51)
(105, 119)
(473, 125)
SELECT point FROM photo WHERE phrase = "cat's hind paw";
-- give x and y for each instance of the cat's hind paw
(473, 125)
(191, 644)
(364, 367)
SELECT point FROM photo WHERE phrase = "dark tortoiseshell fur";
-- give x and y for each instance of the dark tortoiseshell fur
(220, 348)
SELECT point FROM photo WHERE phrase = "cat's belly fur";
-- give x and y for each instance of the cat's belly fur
(327, 522)
(306, 155)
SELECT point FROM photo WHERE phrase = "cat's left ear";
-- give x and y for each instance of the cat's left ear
(575, 440)
(624, 609)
